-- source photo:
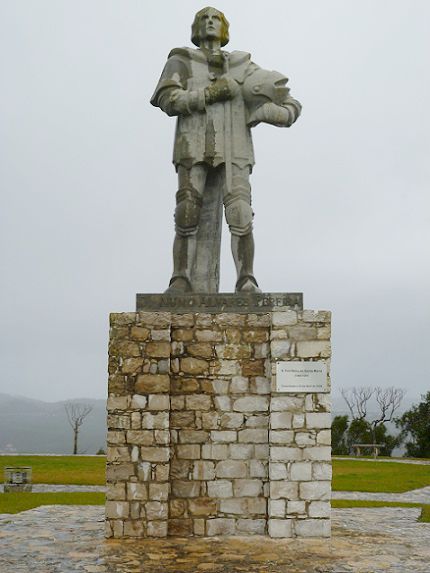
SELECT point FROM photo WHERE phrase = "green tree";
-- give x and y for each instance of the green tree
(339, 428)
(415, 426)
(362, 432)
(383, 437)
(359, 432)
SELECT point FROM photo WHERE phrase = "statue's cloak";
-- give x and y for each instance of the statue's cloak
(201, 135)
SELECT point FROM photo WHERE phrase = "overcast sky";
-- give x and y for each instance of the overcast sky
(87, 185)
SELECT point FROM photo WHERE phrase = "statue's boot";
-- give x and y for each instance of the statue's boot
(184, 252)
(243, 255)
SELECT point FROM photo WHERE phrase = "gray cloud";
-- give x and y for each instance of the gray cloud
(341, 199)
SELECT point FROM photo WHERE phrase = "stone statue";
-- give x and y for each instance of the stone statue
(217, 97)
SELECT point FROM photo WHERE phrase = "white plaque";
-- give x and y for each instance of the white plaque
(301, 377)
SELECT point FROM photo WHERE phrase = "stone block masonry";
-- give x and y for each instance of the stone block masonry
(199, 440)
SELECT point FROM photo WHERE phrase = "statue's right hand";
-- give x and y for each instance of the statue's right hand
(222, 89)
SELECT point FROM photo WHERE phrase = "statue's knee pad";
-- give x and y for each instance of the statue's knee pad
(187, 212)
(238, 211)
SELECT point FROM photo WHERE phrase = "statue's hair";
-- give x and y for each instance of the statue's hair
(195, 35)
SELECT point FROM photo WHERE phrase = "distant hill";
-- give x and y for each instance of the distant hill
(34, 426)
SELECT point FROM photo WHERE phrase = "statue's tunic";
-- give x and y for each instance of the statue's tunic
(209, 134)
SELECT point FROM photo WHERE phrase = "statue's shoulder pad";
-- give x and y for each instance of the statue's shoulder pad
(184, 53)
(236, 58)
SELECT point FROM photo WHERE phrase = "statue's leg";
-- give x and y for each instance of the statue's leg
(239, 215)
(187, 216)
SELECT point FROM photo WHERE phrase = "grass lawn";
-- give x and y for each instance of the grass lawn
(16, 502)
(425, 509)
(77, 470)
(82, 470)
(425, 514)
(383, 477)
(347, 475)
(384, 458)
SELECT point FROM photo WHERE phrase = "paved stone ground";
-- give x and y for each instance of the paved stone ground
(49, 487)
(421, 495)
(386, 460)
(69, 539)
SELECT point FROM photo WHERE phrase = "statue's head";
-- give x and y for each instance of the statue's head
(209, 23)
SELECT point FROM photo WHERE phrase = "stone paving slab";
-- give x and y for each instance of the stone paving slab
(421, 495)
(417, 462)
(49, 487)
(69, 539)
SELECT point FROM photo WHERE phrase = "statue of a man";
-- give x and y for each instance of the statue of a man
(217, 97)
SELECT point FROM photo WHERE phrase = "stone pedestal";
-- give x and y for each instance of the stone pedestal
(199, 440)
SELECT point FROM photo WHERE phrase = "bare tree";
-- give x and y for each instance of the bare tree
(389, 400)
(76, 413)
(356, 399)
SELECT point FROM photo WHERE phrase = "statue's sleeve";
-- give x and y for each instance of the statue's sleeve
(294, 107)
(171, 94)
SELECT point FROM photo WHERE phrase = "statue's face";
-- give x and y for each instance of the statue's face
(210, 25)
